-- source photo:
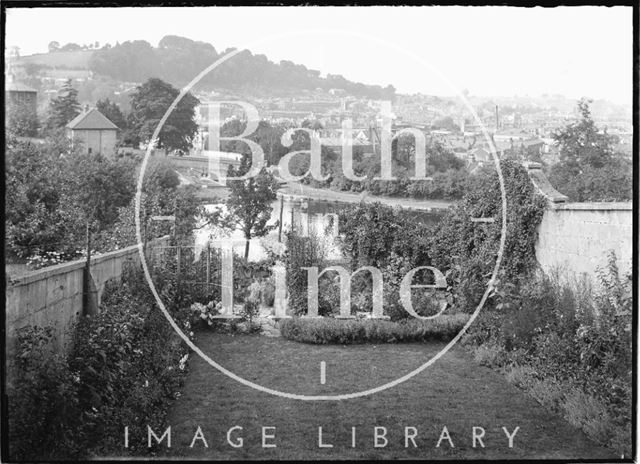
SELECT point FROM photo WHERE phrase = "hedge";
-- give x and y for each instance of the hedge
(354, 331)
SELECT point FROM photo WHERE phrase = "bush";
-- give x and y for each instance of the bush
(489, 355)
(124, 369)
(566, 336)
(43, 408)
(353, 331)
(302, 252)
(467, 250)
(130, 362)
(188, 286)
(268, 291)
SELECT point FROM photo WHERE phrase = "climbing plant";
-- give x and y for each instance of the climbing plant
(465, 246)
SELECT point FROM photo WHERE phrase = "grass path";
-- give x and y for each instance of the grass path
(455, 392)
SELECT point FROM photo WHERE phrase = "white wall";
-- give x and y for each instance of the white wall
(578, 236)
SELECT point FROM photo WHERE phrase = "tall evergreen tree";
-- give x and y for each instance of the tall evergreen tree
(64, 107)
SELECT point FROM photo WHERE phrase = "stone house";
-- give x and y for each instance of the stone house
(94, 132)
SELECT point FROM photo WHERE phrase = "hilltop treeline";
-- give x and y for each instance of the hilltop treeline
(178, 60)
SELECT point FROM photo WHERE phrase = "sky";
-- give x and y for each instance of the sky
(490, 51)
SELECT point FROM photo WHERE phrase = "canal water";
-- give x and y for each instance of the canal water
(318, 218)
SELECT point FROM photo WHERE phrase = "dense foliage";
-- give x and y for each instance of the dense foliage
(178, 60)
(249, 202)
(467, 250)
(149, 103)
(589, 169)
(54, 193)
(569, 345)
(63, 108)
(20, 120)
(112, 112)
(346, 332)
(125, 367)
(446, 174)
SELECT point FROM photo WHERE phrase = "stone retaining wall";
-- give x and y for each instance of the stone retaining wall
(53, 296)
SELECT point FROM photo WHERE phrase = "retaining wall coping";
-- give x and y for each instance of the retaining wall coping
(596, 206)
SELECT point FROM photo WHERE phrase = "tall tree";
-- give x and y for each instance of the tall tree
(38, 218)
(113, 113)
(249, 203)
(582, 144)
(64, 107)
(589, 168)
(150, 102)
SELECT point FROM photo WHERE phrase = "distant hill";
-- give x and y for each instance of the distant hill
(178, 60)
(61, 60)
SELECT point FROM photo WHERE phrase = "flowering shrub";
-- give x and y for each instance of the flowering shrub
(51, 258)
(205, 314)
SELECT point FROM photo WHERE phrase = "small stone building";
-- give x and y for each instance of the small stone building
(23, 96)
(94, 132)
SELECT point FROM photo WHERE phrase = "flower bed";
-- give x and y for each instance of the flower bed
(353, 331)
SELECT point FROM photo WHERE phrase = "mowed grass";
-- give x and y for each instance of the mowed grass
(454, 392)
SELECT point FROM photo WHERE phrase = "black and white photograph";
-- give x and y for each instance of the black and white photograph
(318, 232)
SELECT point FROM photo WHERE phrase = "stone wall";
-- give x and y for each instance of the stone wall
(578, 236)
(53, 296)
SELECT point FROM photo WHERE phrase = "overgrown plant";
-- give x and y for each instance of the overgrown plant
(562, 330)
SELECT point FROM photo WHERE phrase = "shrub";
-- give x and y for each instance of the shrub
(181, 289)
(467, 250)
(125, 367)
(130, 362)
(354, 331)
(518, 375)
(489, 355)
(43, 409)
(251, 306)
(268, 291)
(572, 344)
(204, 315)
(302, 252)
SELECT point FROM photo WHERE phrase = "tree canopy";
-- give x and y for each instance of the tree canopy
(112, 112)
(589, 169)
(249, 203)
(150, 102)
(178, 60)
(64, 107)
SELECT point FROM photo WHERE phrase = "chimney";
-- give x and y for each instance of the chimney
(86, 108)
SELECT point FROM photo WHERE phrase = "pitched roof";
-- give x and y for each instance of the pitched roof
(92, 119)
(19, 87)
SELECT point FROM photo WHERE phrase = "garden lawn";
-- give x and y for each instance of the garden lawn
(454, 392)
